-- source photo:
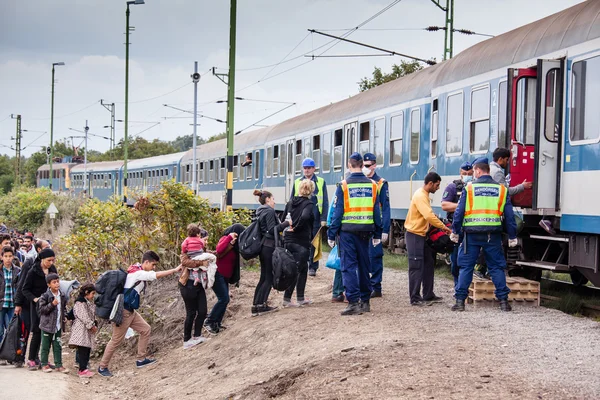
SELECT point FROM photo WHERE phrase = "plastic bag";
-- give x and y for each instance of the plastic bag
(333, 260)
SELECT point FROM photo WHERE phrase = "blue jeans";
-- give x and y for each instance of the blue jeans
(376, 258)
(221, 289)
(354, 257)
(468, 252)
(338, 283)
(6, 315)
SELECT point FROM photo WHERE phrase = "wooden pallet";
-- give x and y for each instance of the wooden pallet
(522, 291)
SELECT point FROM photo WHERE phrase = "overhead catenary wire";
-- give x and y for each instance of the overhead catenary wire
(267, 117)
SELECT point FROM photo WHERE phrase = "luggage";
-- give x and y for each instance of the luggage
(14, 344)
(439, 240)
(285, 267)
(250, 241)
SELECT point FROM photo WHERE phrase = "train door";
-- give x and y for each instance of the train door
(548, 130)
(351, 141)
(289, 170)
(522, 106)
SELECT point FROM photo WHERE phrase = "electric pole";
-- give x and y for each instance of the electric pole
(111, 108)
(231, 104)
(448, 27)
(17, 139)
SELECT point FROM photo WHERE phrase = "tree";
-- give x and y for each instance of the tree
(214, 138)
(184, 143)
(398, 71)
(7, 173)
(31, 166)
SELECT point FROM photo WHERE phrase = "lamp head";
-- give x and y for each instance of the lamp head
(58, 63)
(135, 2)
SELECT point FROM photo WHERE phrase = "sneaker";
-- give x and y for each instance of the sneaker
(222, 327)
(421, 303)
(3, 362)
(376, 294)
(47, 369)
(199, 339)
(189, 344)
(104, 372)
(435, 299)
(18, 364)
(290, 304)
(145, 362)
(263, 309)
(254, 311)
(479, 274)
(32, 365)
(305, 302)
(213, 329)
(312, 272)
(85, 374)
(338, 299)
(63, 370)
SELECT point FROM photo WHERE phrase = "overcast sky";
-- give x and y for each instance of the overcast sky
(88, 35)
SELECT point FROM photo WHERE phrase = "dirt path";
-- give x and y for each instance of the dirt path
(22, 384)
(396, 351)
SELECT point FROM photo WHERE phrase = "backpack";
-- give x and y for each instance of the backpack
(439, 240)
(285, 267)
(250, 241)
(108, 286)
(14, 343)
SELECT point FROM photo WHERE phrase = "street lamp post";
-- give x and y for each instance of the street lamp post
(125, 139)
(52, 123)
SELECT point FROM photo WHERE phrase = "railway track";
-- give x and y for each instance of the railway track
(586, 293)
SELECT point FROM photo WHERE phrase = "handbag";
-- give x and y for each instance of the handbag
(333, 260)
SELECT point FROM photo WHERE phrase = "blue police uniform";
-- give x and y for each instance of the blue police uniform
(487, 239)
(452, 194)
(354, 240)
(319, 216)
(376, 252)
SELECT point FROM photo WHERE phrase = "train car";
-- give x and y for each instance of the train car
(103, 179)
(61, 176)
(146, 174)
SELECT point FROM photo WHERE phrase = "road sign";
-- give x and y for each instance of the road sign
(52, 210)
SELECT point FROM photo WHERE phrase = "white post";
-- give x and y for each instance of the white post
(195, 78)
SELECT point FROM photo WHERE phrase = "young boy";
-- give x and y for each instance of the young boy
(52, 306)
(136, 280)
(8, 287)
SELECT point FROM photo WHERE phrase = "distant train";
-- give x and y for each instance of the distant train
(534, 90)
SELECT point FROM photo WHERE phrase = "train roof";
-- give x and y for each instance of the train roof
(98, 166)
(156, 161)
(242, 143)
(56, 166)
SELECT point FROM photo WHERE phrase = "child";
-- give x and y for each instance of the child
(8, 288)
(84, 328)
(52, 306)
(194, 246)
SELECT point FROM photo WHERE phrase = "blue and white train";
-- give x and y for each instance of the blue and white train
(534, 90)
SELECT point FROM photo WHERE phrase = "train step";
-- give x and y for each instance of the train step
(544, 265)
(556, 238)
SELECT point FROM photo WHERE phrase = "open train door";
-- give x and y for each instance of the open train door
(521, 112)
(289, 170)
(350, 142)
(548, 128)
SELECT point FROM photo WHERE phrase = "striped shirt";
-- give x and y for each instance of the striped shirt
(8, 301)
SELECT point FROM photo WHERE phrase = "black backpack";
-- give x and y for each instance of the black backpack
(439, 240)
(109, 285)
(250, 241)
(285, 267)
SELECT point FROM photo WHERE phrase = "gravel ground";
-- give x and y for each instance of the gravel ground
(396, 351)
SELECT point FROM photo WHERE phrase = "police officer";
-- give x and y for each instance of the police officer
(479, 214)
(322, 203)
(450, 201)
(376, 252)
(357, 219)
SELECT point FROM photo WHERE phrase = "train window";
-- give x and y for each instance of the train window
(480, 120)
(242, 168)
(217, 169)
(282, 153)
(379, 140)
(326, 151)
(307, 147)
(502, 104)
(269, 163)
(235, 168)
(526, 106)
(454, 124)
(337, 149)
(187, 173)
(363, 144)
(316, 151)
(396, 133)
(585, 96)
(275, 160)
(212, 171)
(201, 173)
(223, 169)
(298, 157)
(415, 135)
(248, 166)
(434, 127)
(257, 167)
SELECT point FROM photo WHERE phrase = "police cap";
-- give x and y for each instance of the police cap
(480, 160)
(369, 157)
(356, 156)
(466, 166)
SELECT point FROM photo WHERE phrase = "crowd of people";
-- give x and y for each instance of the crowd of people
(478, 210)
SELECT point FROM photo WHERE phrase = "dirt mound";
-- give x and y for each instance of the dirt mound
(396, 351)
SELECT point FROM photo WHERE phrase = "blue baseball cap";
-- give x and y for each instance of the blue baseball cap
(356, 156)
(308, 162)
(481, 160)
(466, 166)
(369, 157)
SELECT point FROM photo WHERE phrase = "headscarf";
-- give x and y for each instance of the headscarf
(46, 253)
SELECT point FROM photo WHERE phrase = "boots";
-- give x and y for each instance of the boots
(459, 305)
(352, 309)
(504, 306)
(365, 306)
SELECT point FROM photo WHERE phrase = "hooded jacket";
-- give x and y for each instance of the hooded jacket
(301, 211)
